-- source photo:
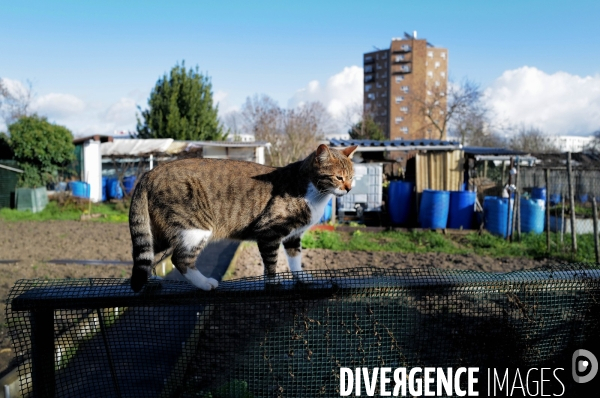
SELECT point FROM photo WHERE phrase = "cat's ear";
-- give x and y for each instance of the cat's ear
(350, 151)
(322, 153)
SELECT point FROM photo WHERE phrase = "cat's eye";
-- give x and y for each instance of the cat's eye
(340, 178)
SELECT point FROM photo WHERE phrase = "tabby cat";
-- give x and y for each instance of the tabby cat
(181, 205)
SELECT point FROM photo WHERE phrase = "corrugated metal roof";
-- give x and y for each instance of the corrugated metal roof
(478, 150)
(397, 144)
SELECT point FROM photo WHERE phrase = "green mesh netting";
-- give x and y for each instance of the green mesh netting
(243, 340)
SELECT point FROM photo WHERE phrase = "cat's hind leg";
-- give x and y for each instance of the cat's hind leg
(293, 251)
(269, 253)
(188, 246)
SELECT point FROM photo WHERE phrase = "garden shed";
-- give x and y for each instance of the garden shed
(433, 164)
(9, 176)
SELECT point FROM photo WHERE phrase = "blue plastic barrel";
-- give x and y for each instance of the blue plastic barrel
(462, 207)
(129, 183)
(495, 216)
(538, 193)
(104, 182)
(114, 190)
(532, 216)
(327, 213)
(583, 197)
(401, 203)
(433, 212)
(80, 189)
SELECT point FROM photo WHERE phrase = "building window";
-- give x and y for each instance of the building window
(429, 92)
(443, 55)
(369, 59)
(399, 99)
(384, 112)
(378, 85)
(437, 64)
(384, 94)
(371, 96)
(430, 73)
(368, 78)
(405, 89)
(399, 58)
(399, 79)
(368, 68)
(404, 130)
(405, 47)
(430, 54)
(404, 109)
(368, 87)
(399, 119)
(437, 84)
(405, 68)
(367, 107)
(443, 74)
(384, 56)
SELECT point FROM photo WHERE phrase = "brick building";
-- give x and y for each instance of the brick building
(403, 85)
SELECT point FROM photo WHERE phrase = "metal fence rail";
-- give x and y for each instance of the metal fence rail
(245, 340)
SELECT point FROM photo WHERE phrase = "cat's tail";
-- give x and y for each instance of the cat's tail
(141, 238)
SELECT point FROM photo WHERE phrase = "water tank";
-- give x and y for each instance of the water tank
(433, 212)
(104, 183)
(532, 216)
(462, 207)
(400, 201)
(495, 214)
(538, 193)
(80, 189)
(129, 184)
(114, 190)
(327, 213)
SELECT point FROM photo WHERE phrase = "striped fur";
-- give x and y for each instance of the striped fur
(181, 205)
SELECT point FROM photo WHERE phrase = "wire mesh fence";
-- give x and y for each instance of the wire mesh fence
(95, 338)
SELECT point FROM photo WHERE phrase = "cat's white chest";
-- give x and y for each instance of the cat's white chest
(316, 202)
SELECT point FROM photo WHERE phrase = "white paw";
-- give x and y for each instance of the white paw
(303, 277)
(213, 283)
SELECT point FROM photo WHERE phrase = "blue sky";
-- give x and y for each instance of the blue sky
(91, 64)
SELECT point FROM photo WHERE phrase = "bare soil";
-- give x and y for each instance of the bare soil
(30, 245)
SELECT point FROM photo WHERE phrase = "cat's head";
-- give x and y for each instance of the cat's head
(332, 170)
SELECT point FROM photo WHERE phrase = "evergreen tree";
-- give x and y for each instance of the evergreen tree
(181, 107)
(370, 130)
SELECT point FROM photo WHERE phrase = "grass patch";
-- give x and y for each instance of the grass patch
(530, 245)
(70, 211)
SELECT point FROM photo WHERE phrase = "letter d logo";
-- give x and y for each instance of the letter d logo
(588, 365)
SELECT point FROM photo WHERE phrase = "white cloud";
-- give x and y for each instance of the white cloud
(558, 104)
(221, 98)
(342, 90)
(58, 105)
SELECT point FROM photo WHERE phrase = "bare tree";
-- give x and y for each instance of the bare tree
(441, 106)
(594, 145)
(15, 101)
(532, 140)
(293, 133)
(233, 123)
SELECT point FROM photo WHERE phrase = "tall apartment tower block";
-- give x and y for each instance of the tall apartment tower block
(403, 85)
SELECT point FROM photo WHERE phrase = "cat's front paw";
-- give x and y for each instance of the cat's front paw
(273, 281)
(213, 283)
(303, 277)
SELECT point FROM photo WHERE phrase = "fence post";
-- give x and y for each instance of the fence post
(42, 353)
(572, 204)
(509, 209)
(595, 212)
(547, 177)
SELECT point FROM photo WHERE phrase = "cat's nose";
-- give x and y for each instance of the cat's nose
(347, 187)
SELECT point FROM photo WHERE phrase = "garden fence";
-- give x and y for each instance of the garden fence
(96, 338)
